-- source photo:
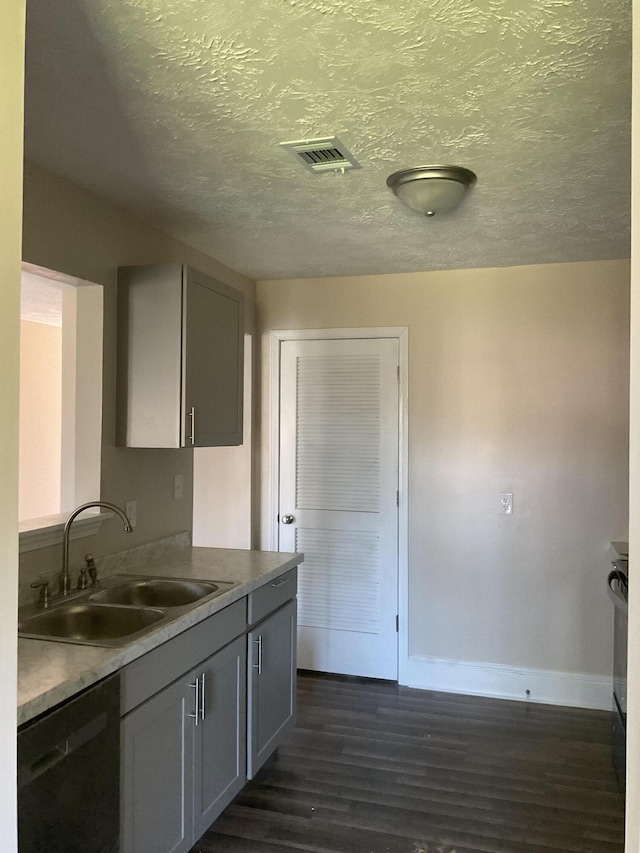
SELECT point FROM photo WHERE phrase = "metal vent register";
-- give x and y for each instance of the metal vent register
(322, 155)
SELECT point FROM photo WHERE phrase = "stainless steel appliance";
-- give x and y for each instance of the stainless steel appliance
(69, 775)
(617, 587)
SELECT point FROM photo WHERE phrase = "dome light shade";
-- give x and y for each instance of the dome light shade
(431, 189)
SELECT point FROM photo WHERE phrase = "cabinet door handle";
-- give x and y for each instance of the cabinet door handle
(196, 687)
(280, 582)
(192, 418)
(258, 665)
(202, 708)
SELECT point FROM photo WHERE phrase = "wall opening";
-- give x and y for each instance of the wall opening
(60, 395)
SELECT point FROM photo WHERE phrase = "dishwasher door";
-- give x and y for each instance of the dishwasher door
(69, 775)
(617, 587)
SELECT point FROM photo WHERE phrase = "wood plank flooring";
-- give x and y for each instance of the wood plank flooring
(377, 768)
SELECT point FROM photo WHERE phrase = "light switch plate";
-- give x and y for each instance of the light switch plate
(178, 487)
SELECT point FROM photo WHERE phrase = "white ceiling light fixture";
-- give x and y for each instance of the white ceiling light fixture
(431, 189)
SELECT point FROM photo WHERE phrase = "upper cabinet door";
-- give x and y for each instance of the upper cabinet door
(213, 340)
(180, 358)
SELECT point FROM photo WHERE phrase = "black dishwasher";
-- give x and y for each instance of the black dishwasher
(618, 587)
(69, 775)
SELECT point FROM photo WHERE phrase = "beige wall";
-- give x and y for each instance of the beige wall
(517, 383)
(69, 230)
(40, 425)
(11, 93)
(222, 482)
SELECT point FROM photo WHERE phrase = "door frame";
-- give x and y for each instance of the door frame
(401, 334)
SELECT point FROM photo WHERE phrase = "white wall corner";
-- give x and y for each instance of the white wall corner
(504, 682)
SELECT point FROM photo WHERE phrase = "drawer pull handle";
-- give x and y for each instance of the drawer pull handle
(192, 419)
(280, 582)
(196, 687)
(258, 665)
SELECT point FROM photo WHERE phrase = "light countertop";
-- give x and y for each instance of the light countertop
(50, 672)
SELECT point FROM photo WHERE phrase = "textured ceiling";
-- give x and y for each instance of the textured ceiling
(175, 108)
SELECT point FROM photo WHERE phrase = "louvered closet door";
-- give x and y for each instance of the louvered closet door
(339, 480)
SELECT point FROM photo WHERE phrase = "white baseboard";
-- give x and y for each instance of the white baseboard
(505, 682)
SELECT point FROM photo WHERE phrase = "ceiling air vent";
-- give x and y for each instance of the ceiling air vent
(322, 155)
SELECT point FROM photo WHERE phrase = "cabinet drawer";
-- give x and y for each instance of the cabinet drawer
(272, 595)
(159, 667)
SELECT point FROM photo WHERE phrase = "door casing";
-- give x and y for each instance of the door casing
(401, 334)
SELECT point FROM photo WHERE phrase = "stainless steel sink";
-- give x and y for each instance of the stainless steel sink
(156, 592)
(89, 623)
(120, 610)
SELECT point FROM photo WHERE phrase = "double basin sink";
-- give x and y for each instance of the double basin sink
(120, 610)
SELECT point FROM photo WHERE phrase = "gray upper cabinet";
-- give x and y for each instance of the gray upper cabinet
(180, 358)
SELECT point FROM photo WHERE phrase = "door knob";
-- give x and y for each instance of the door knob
(287, 519)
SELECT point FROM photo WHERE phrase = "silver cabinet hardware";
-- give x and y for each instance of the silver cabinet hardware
(196, 712)
(199, 712)
(45, 593)
(192, 419)
(287, 519)
(258, 665)
(280, 582)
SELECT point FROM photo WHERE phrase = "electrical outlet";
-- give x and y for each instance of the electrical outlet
(505, 506)
(131, 509)
(178, 487)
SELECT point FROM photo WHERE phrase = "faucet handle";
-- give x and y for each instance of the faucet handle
(91, 568)
(45, 593)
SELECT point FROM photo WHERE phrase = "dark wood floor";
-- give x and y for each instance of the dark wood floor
(377, 768)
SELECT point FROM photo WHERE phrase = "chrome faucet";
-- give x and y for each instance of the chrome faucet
(65, 578)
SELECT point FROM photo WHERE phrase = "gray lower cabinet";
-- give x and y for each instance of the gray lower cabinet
(156, 783)
(184, 755)
(201, 714)
(271, 684)
(220, 737)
